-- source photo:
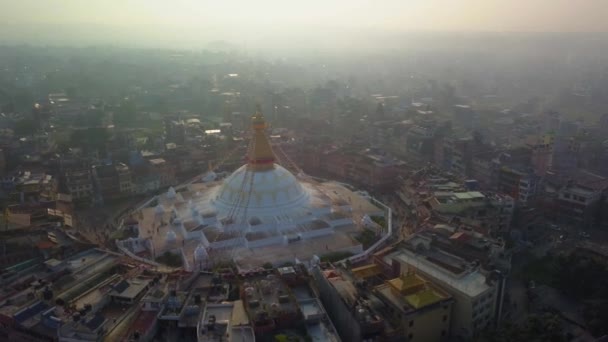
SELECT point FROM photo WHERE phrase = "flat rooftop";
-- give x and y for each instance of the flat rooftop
(322, 331)
(268, 292)
(471, 283)
(130, 288)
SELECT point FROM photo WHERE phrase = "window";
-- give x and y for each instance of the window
(411, 323)
(445, 318)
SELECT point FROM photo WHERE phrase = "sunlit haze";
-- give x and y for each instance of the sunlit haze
(186, 23)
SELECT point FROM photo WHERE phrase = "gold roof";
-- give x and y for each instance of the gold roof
(366, 271)
(407, 283)
(423, 298)
(260, 155)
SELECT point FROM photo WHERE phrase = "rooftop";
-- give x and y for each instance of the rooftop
(143, 322)
(268, 295)
(470, 282)
(411, 292)
(130, 288)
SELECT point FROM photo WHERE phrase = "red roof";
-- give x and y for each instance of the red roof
(45, 245)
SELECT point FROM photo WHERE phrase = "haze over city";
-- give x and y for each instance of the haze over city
(293, 171)
(252, 24)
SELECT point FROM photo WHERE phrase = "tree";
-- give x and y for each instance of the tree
(538, 328)
(126, 113)
(92, 137)
(25, 127)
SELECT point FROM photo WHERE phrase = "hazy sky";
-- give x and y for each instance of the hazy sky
(169, 21)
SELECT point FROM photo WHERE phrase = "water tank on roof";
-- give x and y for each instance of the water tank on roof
(209, 177)
(200, 253)
(171, 193)
(171, 236)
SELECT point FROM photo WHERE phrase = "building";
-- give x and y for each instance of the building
(489, 213)
(106, 182)
(354, 318)
(420, 309)
(521, 184)
(576, 199)
(175, 131)
(542, 153)
(125, 180)
(83, 329)
(79, 183)
(270, 304)
(368, 168)
(225, 322)
(145, 179)
(129, 291)
(459, 155)
(166, 171)
(465, 116)
(484, 169)
(470, 279)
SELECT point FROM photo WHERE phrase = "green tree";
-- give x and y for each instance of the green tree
(25, 127)
(90, 138)
(539, 328)
(126, 113)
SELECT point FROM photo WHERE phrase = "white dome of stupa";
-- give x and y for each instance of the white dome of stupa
(262, 192)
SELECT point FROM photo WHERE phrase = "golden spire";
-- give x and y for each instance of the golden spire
(260, 156)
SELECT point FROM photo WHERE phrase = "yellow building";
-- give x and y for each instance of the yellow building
(421, 310)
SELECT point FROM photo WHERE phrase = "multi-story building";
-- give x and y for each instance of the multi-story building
(566, 147)
(112, 181)
(464, 116)
(575, 199)
(519, 183)
(484, 169)
(106, 182)
(175, 131)
(542, 149)
(354, 318)
(166, 171)
(125, 180)
(459, 264)
(366, 168)
(79, 183)
(363, 306)
(461, 154)
(420, 309)
(420, 142)
(489, 213)
(145, 180)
